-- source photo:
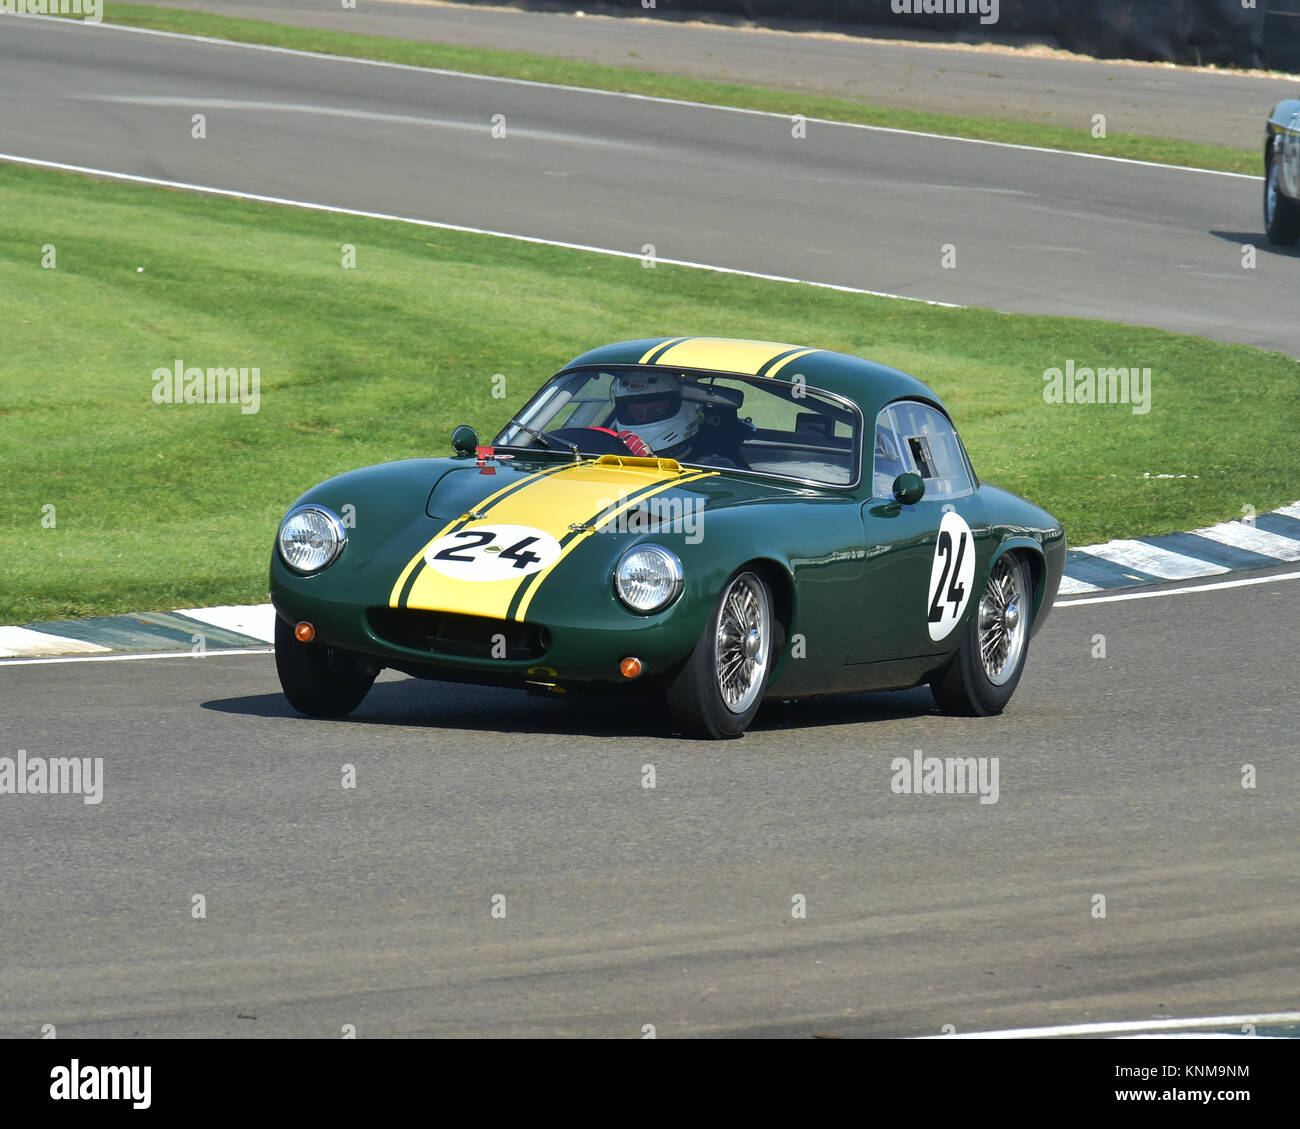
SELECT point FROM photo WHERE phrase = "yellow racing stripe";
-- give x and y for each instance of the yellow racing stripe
(723, 354)
(551, 504)
(416, 561)
(596, 528)
(793, 357)
(662, 345)
(480, 507)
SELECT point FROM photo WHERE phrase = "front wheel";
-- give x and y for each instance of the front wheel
(718, 691)
(319, 680)
(1281, 213)
(984, 672)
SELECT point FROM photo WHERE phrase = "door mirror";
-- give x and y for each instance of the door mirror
(464, 440)
(909, 488)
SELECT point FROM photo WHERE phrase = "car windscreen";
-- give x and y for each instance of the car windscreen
(757, 424)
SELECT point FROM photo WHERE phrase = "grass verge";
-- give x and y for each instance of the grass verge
(110, 502)
(540, 68)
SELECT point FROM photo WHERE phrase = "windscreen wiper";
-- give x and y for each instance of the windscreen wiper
(549, 444)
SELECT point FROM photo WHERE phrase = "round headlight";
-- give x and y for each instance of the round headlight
(648, 578)
(311, 537)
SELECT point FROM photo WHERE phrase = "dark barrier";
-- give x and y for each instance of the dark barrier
(1185, 31)
(1282, 35)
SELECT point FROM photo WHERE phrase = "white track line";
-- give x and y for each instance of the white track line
(119, 658)
(1180, 591)
(1274, 1018)
(523, 132)
(257, 198)
(644, 97)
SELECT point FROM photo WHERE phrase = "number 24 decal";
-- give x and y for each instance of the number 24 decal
(956, 594)
(951, 575)
(480, 538)
(492, 552)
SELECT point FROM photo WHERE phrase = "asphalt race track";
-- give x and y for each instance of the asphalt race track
(626, 906)
(1221, 107)
(1035, 232)
(1119, 775)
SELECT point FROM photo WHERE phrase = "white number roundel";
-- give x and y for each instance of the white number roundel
(951, 576)
(492, 552)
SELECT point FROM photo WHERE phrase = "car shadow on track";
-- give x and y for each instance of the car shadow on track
(1259, 241)
(438, 705)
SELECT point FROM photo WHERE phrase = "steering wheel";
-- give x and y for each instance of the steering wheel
(605, 441)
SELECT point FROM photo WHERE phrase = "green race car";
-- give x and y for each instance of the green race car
(711, 520)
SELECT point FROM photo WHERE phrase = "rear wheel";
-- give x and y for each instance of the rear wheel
(1281, 213)
(320, 681)
(718, 691)
(984, 672)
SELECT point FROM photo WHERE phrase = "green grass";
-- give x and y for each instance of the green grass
(160, 506)
(540, 68)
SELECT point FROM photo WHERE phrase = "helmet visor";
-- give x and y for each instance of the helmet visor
(635, 410)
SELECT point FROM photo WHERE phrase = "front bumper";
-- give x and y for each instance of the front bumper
(585, 649)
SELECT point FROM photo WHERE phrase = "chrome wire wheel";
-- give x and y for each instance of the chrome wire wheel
(1003, 621)
(742, 642)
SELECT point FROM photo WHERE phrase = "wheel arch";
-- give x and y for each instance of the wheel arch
(1031, 552)
(781, 584)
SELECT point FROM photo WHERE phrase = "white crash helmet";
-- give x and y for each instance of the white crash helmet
(651, 406)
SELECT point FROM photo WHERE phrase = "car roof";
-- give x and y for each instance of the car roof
(868, 384)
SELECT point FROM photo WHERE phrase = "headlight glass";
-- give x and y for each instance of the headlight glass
(311, 537)
(648, 578)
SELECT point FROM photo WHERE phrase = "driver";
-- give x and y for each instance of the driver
(652, 408)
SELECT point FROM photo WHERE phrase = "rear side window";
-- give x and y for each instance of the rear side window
(916, 437)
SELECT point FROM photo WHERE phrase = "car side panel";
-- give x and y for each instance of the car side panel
(811, 547)
(901, 544)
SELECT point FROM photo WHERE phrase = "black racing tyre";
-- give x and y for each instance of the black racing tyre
(984, 673)
(719, 689)
(1281, 213)
(319, 680)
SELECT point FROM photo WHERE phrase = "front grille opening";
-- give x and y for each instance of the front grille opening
(450, 633)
